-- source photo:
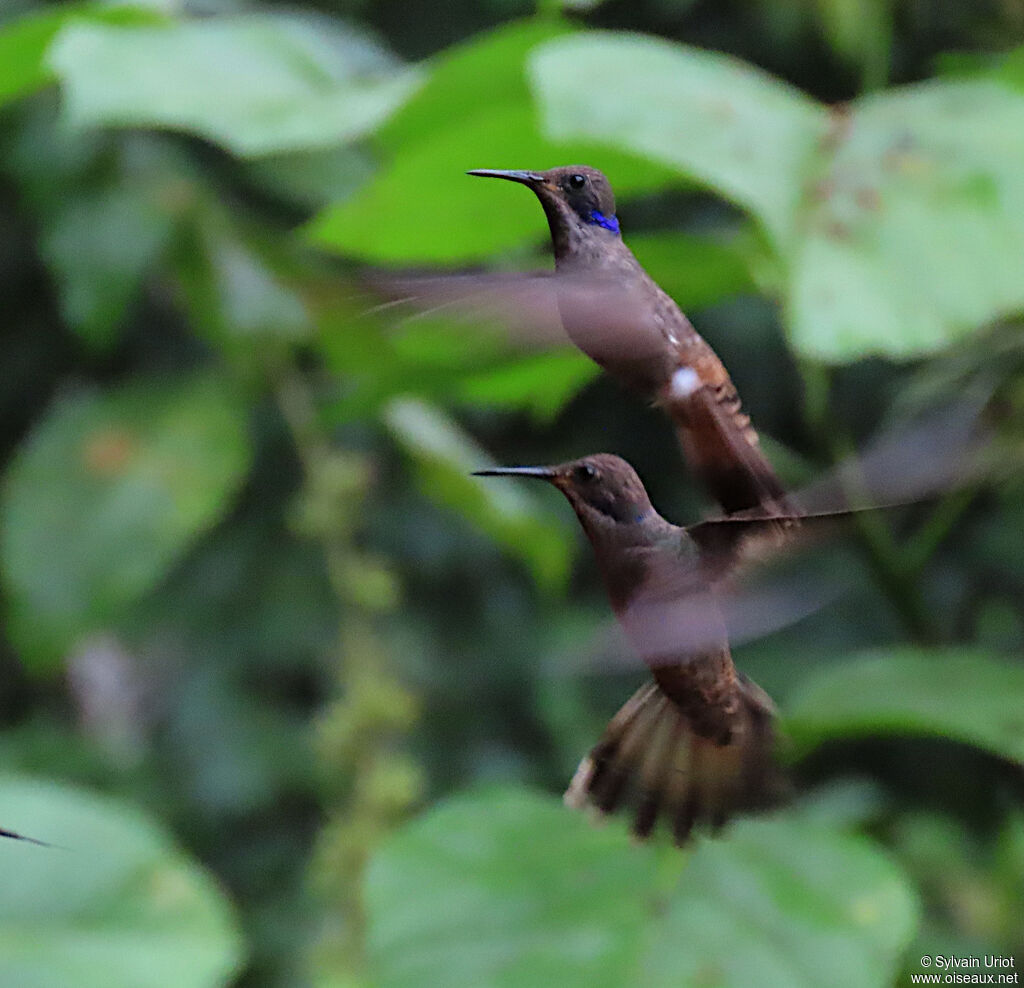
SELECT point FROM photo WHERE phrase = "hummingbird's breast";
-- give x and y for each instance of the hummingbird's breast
(616, 314)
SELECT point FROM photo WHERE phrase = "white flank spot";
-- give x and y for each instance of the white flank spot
(684, 382)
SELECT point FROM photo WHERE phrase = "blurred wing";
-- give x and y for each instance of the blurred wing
(663, 631)
(520, 306)
(673, 614)
(736, 599)
(940, 451)
(685, 613)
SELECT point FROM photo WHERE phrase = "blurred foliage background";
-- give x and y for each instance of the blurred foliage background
(295, 695)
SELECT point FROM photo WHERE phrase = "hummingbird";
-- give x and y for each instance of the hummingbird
(617, 315)
(695, 745)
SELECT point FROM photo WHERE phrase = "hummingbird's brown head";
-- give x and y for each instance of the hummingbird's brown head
(604, 490)
(576, 198)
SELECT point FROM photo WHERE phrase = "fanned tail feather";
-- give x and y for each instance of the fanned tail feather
(650, 759)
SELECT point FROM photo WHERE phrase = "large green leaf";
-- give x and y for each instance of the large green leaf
(509, 888)
(912, 233)
(777, 902)
(444, 456)
(105, 496)
(114, 905)
(899, 219)
(474, 106)
(23, 43)
(965, 695)
(255, 84)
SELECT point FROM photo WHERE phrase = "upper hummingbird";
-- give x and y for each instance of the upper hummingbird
(696, 744)
(616, 314)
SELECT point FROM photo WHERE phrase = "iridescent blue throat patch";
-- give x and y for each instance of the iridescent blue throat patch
(608, 222)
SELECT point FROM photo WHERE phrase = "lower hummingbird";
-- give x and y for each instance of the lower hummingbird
(696, 744)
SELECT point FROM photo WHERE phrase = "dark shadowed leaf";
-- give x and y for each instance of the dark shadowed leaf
(106, 495)
(482, 74)
(510, 888)
(113, 905)
(99, 246)
(965, 694)
(233, 294)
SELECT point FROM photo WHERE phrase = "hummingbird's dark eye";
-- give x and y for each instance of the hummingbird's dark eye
(584, 473)
(576, 182)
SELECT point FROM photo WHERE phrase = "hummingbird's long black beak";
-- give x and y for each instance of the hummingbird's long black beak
(541, 473)
(523, 177)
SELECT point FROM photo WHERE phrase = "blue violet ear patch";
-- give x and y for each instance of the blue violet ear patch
(608, 222)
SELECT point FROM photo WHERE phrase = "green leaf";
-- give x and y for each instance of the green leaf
(776, 903)
(913, 230)
(106, 495)
(474, 103)
(724, 123)
(114, 905)
(279, 83)
(509, 888)
(445, 456)
(23, 43)
(964, 695)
